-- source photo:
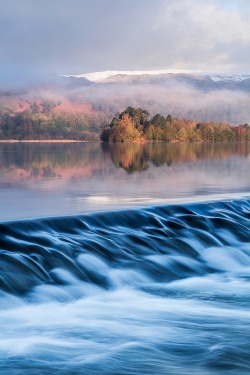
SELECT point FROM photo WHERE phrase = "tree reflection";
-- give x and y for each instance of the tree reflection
(22, 161)
(37, 161)
(131, 157)
(138, 157)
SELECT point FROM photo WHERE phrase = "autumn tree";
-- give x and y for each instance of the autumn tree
(124, 131)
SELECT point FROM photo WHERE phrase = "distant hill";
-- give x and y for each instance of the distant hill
(202, 81)
(200, 96)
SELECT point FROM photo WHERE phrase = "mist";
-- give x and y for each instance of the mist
(39, 41)
(178, 99)
(222, 103)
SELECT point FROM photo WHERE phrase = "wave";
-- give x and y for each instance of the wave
(157, 290)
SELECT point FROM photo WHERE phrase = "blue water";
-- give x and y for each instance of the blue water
(159, 290)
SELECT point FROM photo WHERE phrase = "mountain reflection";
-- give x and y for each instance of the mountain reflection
(138, 157)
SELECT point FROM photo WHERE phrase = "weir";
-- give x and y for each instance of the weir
(111, 291)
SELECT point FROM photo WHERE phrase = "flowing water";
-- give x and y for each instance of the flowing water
(162, 289)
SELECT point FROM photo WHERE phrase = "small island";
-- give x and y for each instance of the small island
(134, 125)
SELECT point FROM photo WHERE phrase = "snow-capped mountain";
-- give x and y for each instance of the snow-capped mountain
(99, 77)
(183, 94)
(218, 77)
(110, 75)
(204, 96)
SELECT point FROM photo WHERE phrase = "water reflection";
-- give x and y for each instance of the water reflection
(138, 157)
(48, 160)
(41, 157)
(57, 179)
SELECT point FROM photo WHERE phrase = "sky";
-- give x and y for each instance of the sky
(46, 38)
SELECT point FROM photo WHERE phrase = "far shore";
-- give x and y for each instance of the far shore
(42, 141)
(99, 141)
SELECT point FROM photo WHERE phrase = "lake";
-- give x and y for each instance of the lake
(124, 259)
(38, 180)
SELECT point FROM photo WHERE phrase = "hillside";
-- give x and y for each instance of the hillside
(200, 96)
(96, 97)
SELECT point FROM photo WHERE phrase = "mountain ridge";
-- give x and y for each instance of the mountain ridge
(184, 95)
(103, 76)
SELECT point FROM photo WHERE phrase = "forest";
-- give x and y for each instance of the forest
(32, 125)
(130, 125)
(134, 125)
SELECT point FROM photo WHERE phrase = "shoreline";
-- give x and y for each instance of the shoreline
(131, 142)
(42, 141)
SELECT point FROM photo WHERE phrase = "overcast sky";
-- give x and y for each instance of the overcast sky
(42, 37)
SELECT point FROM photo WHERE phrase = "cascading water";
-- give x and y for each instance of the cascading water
(163, 290)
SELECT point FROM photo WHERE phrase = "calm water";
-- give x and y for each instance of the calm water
(38, 180)
(155, 288)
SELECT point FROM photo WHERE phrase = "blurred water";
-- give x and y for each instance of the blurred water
(163, 290)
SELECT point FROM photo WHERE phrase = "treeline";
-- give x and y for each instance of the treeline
(131, 125)
(32, 125)
(134, 125)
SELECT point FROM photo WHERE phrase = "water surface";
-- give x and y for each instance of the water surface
(162, 289)
(38, 180)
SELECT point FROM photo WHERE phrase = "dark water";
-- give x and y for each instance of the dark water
(157, 290)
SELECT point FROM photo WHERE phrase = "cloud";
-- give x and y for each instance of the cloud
(205, 35)
(38, 38)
